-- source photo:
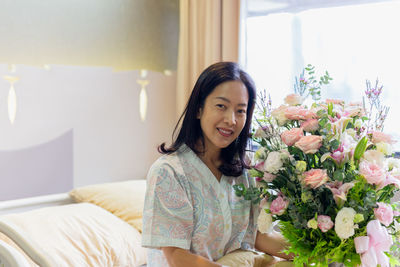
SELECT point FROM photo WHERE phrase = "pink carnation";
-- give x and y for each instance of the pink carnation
(291, 136)
(310, 125)
(309, 144)
(372, 172)
(278, 205)
(384, 213)
(315, 177)
(378, 137)
(324, 223)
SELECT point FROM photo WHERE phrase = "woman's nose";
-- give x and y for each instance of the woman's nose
(230, 118)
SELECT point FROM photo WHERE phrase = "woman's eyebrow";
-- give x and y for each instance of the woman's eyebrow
(227, 100)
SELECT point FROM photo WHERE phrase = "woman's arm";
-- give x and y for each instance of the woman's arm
(178, 257)
(272, 244)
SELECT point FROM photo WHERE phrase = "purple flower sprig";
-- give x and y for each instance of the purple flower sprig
(377, 112)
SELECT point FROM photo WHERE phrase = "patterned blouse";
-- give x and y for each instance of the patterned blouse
(187, 207)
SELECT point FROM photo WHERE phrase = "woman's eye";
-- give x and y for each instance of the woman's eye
(220, 106)
(242, 111)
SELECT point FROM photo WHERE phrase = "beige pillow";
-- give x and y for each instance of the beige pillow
(75, 235)
(123, 199)
(245, 258)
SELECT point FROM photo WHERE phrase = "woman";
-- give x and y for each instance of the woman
(192, 216)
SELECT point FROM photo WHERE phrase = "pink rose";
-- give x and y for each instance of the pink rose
(294, 99)
(334, 101)
(309, 144)
(378, 137)
(278, 206)
(372, 172)
(315, 177)
(384, 213)
(299, 113)
(291, 136)
(324, 223)
(310, 125)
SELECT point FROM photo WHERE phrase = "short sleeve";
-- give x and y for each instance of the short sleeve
(168, 211)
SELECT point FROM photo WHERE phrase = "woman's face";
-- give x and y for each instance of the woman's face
(224, 114)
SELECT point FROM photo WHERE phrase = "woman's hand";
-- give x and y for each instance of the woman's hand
(272, 244)
(178, 257)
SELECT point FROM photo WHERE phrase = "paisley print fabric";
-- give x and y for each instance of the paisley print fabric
(187, 207)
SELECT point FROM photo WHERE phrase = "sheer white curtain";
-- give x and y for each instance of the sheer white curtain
(352, 42)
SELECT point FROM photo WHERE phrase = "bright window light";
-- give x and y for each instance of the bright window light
(353, 43)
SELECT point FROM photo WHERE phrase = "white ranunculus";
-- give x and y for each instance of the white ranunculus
(264, 222)
(384, 148)
(344, 223)
(274, 162)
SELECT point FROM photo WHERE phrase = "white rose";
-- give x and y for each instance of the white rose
(279, 115)
(384, 148)
(393, 164)
(264, 222)
(274, 162)
(374, 156)
(344, 223)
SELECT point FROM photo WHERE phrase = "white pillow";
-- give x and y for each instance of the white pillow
(75, 235)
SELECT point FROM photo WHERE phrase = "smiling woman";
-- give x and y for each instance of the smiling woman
(192, 216)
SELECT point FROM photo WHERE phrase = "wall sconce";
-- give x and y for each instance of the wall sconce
(12, 98)
(143, 94)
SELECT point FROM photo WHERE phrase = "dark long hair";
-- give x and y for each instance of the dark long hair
(190, 131)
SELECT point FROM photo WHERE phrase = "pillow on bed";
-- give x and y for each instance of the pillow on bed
(245, 258)
(75, 235)
(123, 199)
(11, 243)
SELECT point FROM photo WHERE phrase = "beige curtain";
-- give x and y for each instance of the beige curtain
(209, 32)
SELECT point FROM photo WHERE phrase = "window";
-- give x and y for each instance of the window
(353, 43)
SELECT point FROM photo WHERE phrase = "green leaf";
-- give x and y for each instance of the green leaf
(334, 144)
(360, 148)
(338, 175)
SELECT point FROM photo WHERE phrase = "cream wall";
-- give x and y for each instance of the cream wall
(101, 107)
(87, 101)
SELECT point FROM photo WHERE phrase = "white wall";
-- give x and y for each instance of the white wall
(110, 142)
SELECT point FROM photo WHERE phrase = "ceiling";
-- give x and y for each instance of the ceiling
(265, 7)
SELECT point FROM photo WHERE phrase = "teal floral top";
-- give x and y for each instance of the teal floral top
(187, 207)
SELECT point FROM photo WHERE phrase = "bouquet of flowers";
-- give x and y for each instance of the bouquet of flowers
(327, 176)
